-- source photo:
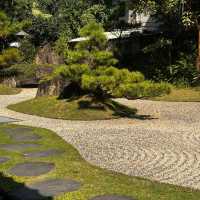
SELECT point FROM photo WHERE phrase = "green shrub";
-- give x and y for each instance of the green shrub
(28, 71)
(183, 72)
(28, 50)
(9, 57)
(143, 89)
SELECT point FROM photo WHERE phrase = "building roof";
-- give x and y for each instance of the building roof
(22, 33)
(112, 35)
(15, 44)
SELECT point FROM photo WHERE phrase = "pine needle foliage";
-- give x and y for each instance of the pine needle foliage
(92, 67)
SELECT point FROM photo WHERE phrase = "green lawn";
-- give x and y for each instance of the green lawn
(4, 90)
(77, 109)
(95, 181)
(181, 95)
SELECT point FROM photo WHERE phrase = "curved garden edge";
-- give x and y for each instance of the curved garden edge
(80, 109)
(83, 109)
(88, 136)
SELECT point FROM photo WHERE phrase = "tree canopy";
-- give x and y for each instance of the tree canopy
(8, 28)
(57, 21)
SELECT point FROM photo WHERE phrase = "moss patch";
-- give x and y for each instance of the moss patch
(83, 108)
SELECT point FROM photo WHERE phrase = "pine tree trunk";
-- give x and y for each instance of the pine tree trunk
(198, 56)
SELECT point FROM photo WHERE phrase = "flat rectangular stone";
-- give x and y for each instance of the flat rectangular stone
(7, 119)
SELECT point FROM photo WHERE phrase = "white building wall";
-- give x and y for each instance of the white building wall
(146, 20)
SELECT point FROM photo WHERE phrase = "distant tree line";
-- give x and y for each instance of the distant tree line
(57, 21)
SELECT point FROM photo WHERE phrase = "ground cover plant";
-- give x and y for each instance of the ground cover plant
(70, 165)
(8, 55)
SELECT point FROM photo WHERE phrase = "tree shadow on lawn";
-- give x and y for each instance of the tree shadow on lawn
(9, 190)
(118, 109)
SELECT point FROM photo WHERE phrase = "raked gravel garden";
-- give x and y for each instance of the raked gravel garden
(163, 147)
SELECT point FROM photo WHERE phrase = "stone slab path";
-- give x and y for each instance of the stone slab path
(166, 148)
(45, 189)
(45, 153)
(31, 169)
(48, 188)
(18, 147)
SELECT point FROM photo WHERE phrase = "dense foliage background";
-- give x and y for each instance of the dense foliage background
(169, 56)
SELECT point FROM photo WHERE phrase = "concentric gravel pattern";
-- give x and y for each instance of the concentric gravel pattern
(166, 149)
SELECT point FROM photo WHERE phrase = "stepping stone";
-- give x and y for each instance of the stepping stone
(22, 134)
(48, 188)
(24, 137)
(18, 147)
(112, 197)
(39, 154)
(7, 119)
(19, 130)
(3, 160)
(31, 168)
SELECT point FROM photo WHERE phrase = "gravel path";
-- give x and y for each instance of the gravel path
(165, 148)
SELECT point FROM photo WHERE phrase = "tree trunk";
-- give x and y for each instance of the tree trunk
(198, 56)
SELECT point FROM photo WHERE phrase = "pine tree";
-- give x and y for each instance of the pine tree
(91, 66)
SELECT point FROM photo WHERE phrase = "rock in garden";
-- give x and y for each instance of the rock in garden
(18, 147)
(31, 168)
(46, 153)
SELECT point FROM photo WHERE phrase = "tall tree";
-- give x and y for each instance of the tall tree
(183, 14)
(193, 16)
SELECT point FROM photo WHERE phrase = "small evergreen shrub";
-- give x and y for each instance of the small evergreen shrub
(30, 71)
(9, 57)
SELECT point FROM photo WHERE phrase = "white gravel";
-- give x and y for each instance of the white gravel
(165, 148)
